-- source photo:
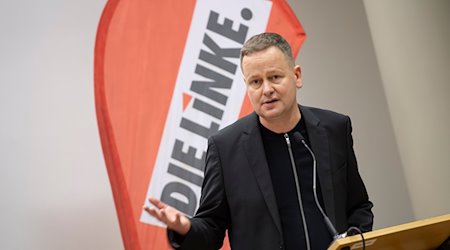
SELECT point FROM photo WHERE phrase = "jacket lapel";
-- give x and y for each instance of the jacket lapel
(319, 144)
(254, 150)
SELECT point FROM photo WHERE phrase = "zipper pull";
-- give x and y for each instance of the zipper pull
(286, 136)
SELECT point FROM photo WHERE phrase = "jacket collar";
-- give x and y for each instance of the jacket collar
(254, 150)
(320, 146)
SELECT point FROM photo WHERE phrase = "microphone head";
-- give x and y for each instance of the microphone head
(298, 137)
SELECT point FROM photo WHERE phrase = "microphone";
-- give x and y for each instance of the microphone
(299, 138)
(299, 194)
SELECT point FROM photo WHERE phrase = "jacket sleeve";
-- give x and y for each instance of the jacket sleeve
(359, 207)
(212, 217)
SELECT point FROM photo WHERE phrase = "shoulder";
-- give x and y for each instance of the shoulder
(332, 122)
(324, 115)
(235, 130)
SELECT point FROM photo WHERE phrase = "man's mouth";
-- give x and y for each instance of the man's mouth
(270, 101)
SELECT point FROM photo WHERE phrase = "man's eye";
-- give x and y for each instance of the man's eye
(255, 83)
(275, 77)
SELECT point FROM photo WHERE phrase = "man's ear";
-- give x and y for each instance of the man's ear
(298, 76)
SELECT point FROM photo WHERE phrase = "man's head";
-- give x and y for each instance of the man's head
(272, 80)
(265, 40)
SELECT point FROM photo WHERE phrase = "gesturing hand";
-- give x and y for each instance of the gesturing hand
(168, 215)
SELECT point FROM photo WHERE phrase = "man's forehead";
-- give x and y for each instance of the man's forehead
(267, 71)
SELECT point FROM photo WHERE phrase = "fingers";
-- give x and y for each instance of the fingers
(157, 203)
(158, 214)
(153, 212)
(168, 215)
(159, 211)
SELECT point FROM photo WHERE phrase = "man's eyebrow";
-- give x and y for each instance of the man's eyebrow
(271, 71)
(251, 78)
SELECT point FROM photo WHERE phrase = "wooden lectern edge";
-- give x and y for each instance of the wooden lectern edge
(389, 230)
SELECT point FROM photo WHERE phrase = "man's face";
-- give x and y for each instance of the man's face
(271, 84)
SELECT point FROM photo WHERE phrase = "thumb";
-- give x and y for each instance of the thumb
(178, 219)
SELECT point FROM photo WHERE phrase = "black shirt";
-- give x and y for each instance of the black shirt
(278, 159)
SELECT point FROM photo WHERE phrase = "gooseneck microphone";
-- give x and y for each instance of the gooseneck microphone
(299, 138)
(299, 195)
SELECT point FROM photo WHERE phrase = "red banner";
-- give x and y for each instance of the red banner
(167, 76)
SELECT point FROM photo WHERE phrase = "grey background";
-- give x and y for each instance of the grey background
(340, 72)
(384, 63)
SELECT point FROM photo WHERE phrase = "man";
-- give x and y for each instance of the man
(260, 183)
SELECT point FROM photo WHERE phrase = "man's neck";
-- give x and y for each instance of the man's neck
(282, 125)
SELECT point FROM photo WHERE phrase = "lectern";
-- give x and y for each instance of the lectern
(419, 235)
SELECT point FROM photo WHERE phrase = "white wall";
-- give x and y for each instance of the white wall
(340, 72)
(54, 189)
(412, 43)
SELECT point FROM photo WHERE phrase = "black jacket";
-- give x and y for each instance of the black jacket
(237, 192)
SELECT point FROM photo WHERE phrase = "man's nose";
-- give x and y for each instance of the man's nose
(267, 87)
